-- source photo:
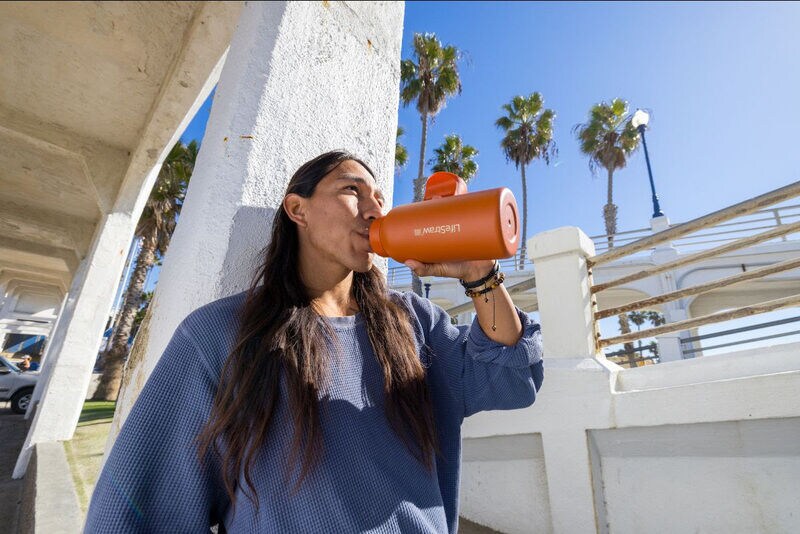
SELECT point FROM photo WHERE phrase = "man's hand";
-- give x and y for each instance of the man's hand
(469, 271)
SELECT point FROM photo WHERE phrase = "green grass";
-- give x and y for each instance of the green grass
(85, 450)
(100, 411)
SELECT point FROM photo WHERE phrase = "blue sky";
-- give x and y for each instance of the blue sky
(721, 80)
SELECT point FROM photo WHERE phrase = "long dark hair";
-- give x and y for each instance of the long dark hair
(281, 338)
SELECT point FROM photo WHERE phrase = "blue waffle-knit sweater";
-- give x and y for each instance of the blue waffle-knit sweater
(367, 479)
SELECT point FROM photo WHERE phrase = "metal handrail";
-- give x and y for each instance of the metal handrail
(701, 288)
(741, 329)
(600, 240)
(687, 324)
(702, 255)
(670, 234)
(742, 342)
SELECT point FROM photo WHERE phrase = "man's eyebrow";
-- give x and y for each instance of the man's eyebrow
(361, 180)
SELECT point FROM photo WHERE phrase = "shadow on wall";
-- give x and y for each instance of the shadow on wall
(250, 235)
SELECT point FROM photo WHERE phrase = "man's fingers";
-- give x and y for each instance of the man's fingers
(426, 269)
(419, 268)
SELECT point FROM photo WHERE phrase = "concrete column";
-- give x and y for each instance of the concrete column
(69, 373)
(301, 78)
(670, 348)
(194, 71)
(562, 287)
(669, 345)
(55, 339)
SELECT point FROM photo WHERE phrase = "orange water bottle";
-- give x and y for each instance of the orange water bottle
(449, 225)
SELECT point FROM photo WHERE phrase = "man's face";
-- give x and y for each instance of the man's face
(338, 216)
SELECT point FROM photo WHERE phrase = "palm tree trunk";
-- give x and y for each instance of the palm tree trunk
(610, 217)
(524, 243)
(610, 211)
(419, 184)
(114, 360)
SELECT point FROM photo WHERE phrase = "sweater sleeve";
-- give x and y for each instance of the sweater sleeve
(153, 481)
(486, 375)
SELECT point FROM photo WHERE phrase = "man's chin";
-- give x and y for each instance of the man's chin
(366, 265)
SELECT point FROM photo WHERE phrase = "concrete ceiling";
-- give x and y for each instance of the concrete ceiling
(91, 93)
(91, 67)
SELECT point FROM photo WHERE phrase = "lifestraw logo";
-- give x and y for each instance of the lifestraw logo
(441, 229)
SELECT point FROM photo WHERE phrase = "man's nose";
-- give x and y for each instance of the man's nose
(371, 209)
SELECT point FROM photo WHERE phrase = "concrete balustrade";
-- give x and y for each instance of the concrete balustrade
(707, 444)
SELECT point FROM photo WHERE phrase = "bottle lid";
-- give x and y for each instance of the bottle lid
(509, 221)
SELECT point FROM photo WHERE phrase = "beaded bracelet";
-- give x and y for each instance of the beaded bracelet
(499, 278)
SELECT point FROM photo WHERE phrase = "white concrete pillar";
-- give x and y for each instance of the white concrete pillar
(182, 92)
(55, 339)
(562, 287)
(69, 373)
(301, 78)
(670, 348)
(574, 370)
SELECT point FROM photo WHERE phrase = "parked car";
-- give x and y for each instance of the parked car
(16, 386)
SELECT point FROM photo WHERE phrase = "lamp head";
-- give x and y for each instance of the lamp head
(640, 118)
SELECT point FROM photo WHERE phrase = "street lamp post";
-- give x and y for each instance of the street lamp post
(639, 121)
(426, 282)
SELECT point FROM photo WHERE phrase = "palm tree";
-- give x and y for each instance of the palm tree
(528, 128)
(155, 229)
(638, 318)
(456, 157)
(608, 138)
(400, 151)
(428, 79)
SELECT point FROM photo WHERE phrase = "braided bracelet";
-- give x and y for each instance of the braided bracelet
(482, 281)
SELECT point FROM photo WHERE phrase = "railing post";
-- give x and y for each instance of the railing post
(577, 383)
(778, 221)
(562, 288)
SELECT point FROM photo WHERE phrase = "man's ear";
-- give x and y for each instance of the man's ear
(295, 207)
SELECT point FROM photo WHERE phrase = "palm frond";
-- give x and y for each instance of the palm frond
(431, 76)
(454, 156)
(608, 138)
(528, 128)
